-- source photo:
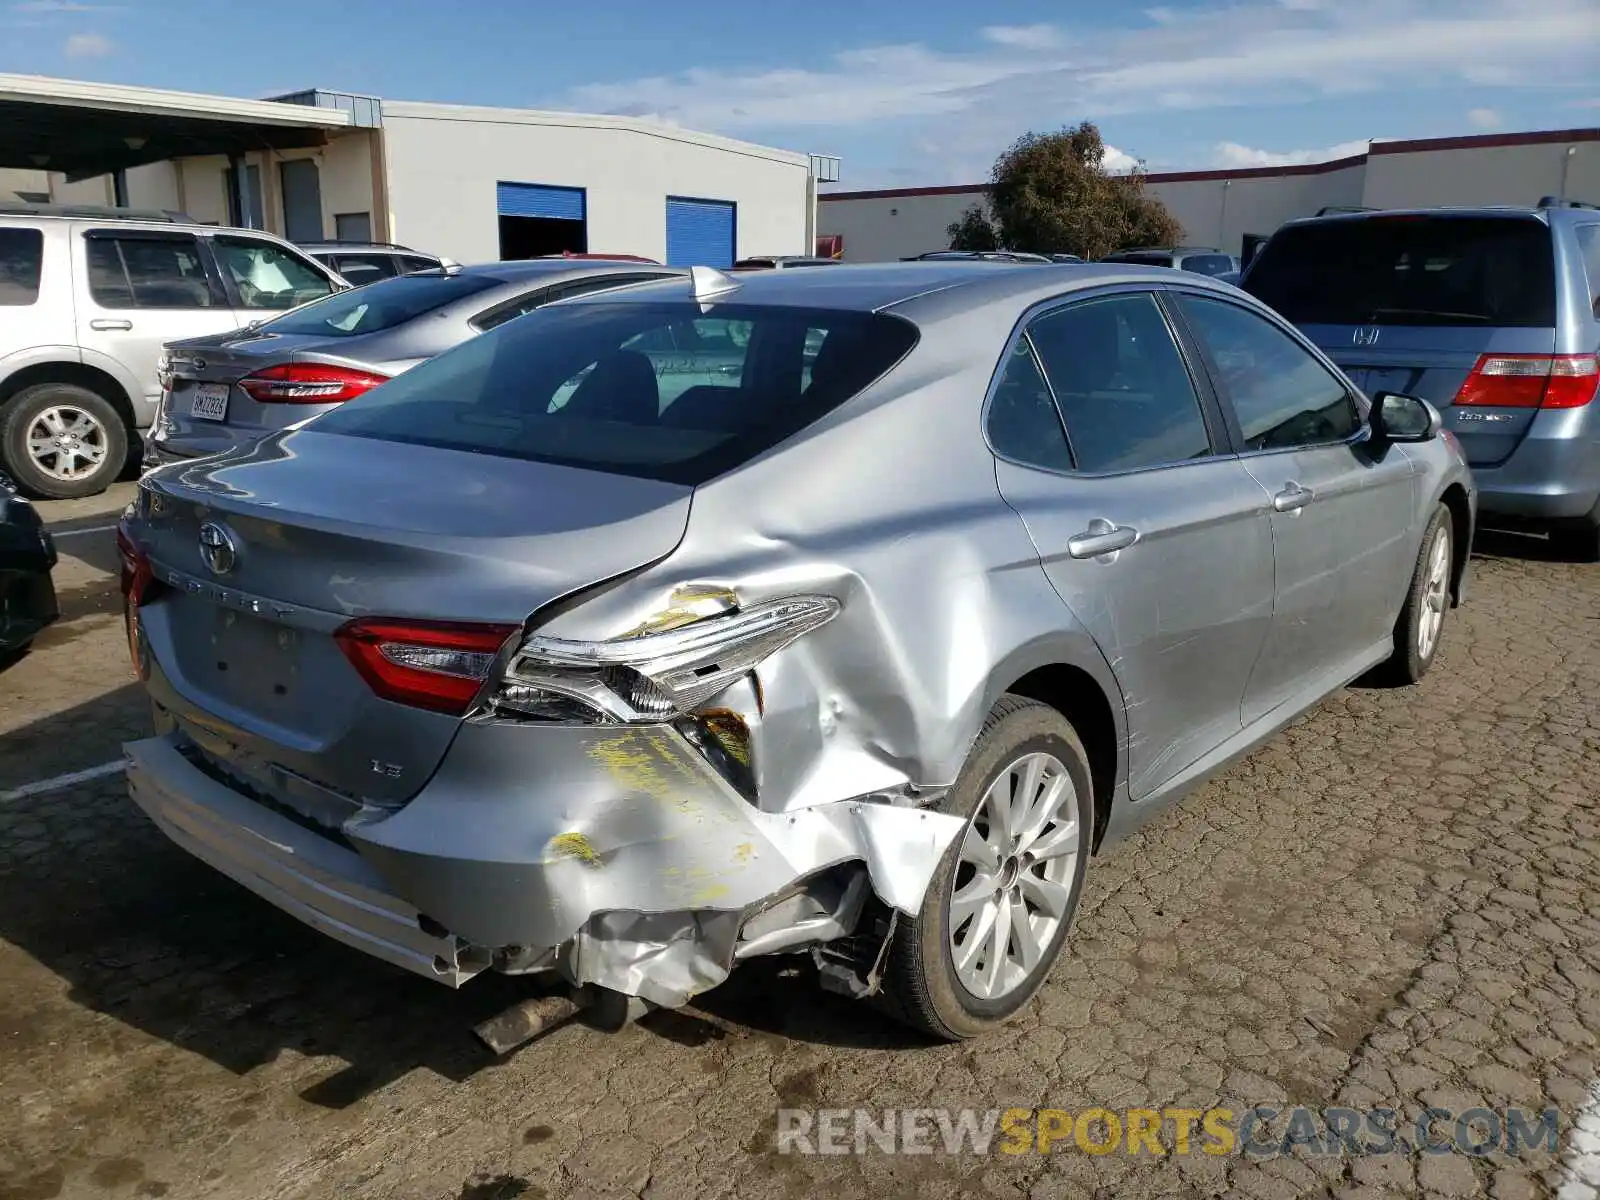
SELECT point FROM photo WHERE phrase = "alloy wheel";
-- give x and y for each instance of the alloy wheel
(67, 443)
(1435, 594)
(1014, 876)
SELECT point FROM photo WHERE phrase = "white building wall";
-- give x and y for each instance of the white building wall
(1219, 212)
(443, 162)
(13, 182)
(1484, 175)
(883, 227)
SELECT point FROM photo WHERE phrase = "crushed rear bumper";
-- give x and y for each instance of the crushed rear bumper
(608, 855)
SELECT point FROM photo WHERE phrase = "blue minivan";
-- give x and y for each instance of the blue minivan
(1492, 314)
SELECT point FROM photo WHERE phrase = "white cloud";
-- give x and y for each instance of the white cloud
(1232, 154)
(1117, 160)
(1023, 37)
(1236, 52)
(1485, 118)
(88, 45)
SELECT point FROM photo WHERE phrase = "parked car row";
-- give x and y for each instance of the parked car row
(602, 647)
(27, 556)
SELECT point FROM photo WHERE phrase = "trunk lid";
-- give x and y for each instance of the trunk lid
(325, 529)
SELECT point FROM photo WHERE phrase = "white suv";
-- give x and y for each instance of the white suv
(87, 300)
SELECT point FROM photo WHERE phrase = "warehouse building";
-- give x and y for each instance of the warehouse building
(1223, 209)
(474, 184)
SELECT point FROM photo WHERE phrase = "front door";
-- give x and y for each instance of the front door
(1343, 518)
(145, 289)
(1158, 543)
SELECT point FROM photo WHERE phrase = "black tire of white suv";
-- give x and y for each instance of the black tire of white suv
(88, 427)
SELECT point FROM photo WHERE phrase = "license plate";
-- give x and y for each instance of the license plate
(209, 402)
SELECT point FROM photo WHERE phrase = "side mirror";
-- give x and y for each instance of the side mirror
(1400, 418)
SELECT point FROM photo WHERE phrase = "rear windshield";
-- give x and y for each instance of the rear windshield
(662, 391)
(1142, 260)
(1410, 270)
(381, 305)
(1208, 264)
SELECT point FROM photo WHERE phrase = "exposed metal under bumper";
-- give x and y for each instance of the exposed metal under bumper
(309, 877)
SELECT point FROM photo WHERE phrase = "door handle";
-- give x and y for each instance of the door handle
(106, 323)
(1102, 537)
(1292, 499)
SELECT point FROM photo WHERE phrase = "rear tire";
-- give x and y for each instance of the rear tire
(1420, 627)
(947, 973)
(1579, 540)
(60, 441)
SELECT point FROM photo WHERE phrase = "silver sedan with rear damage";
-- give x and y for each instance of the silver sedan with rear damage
(846, 613)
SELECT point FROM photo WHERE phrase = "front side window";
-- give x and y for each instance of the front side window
(1281, 394)
(268, 276)
(656, 390)
(1121, 384)
(21, 265)
(1023, 423)
(147, 272)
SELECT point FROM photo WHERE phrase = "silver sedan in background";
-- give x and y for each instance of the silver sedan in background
(841, 612)
(229, 389)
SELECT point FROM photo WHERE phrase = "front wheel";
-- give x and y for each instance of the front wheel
(1417, 632)
(998, 908)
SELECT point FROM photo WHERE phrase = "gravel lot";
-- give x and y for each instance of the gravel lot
(1396, 903)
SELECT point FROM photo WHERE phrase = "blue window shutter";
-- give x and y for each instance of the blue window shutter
(700, 233)
(536, 200)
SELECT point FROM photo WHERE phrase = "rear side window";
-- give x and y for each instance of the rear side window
(1411, 270)
(1121, 384)
(364, 268)
(660, 391)
(1141, 260)
(1023, 423)
(381, 305)
(148, 272)
(1282, 395)
(1589, 247)
(21, 264)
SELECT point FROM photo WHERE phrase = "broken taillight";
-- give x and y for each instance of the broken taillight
(435, 665)
(138, 581)
(308, 383)
(1531, 381)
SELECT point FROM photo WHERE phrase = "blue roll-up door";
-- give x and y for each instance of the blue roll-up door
(537, 200)
(699, 233)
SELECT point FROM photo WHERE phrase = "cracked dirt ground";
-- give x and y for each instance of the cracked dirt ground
(1395, 903)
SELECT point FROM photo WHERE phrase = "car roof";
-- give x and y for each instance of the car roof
(337, 247)
(1440, 210)
(523, 269)
(935, 286)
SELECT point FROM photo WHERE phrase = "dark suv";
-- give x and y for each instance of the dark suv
(1493, 314)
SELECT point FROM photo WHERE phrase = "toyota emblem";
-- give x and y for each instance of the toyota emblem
(217, 549)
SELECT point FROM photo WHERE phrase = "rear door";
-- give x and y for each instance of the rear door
(1343, 519)
(1409, 302)
(1153, 535)
(142, 289)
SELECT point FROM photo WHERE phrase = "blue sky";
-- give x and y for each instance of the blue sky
(907, 93)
